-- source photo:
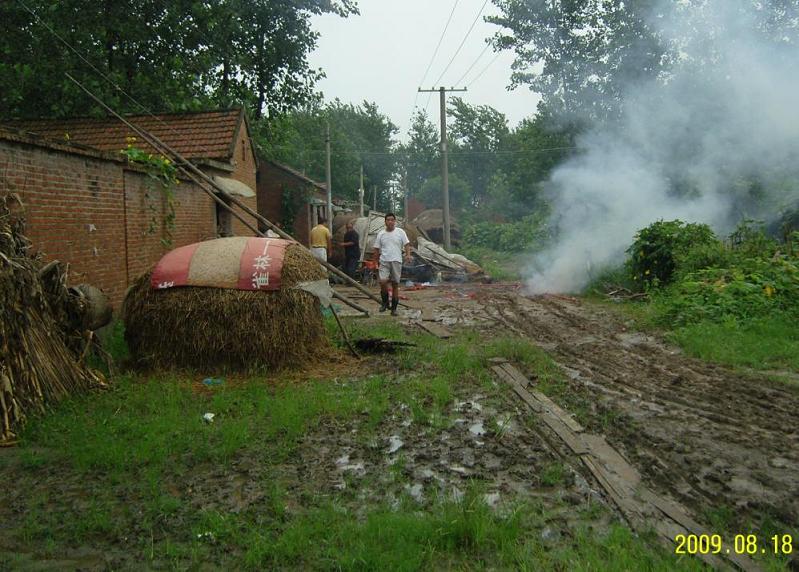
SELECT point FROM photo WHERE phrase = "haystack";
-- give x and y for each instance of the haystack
(213, 328)
(431, 222)
(41, 340)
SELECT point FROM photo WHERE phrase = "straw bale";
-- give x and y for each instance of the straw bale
(213, 329)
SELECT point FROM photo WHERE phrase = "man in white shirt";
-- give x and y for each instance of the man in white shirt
(389, 245)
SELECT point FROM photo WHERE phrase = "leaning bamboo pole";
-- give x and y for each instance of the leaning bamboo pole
(194, 174)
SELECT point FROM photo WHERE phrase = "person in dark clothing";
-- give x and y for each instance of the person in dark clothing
(352, 250)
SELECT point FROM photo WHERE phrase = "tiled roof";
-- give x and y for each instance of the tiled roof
(201, 135)
(297, 174)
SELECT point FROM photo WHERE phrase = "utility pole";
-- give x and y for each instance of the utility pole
(360, 190)
(405, 195)
(444, 159)
(374, 198)
(329, 178)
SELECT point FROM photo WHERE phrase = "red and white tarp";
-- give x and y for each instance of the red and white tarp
(238, 262)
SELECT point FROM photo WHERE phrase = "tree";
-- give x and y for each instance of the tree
(533, 150)
(419, 158)
(479, 134)
(360, 135)
(586, 51)
(165, 55)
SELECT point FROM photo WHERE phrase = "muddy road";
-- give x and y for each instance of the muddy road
(711, 438)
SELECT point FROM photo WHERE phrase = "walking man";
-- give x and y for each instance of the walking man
(352, 252)
(321, 241)
(389, 245)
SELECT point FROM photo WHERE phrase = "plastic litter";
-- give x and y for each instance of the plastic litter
(208, 417)
(209, 381)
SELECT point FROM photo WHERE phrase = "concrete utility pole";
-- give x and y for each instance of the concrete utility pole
(444, 159)
(329, 181)
(360, 190)
(405, 195)
(374, 198)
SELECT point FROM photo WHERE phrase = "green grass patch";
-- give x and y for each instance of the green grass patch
(114, 469)
(766, 343)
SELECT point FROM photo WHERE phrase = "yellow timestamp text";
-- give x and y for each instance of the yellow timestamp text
(750, 544)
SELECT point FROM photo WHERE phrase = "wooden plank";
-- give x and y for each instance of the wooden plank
(568, 436)
(631, 510)
(612, 459)
(560, 413)
(516, 374)
(678, 514)
(433, 328)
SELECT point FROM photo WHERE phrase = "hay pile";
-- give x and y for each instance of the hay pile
(431, 222)
(42, 342)
(209, 329)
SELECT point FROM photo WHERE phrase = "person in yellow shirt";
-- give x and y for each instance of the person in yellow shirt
(321, 241)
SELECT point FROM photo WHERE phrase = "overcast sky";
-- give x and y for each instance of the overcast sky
(382, 54)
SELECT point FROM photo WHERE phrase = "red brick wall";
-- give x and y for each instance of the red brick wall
(145, 227)
(77, 205)
(244, 168)
(272, 182)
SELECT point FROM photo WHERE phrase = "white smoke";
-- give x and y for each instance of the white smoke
(707, 127)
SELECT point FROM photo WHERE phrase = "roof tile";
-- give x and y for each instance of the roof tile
(200, 135)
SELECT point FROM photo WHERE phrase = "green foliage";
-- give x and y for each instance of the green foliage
(166, 55)
(655, 253)
(162, 176)
(703, 280)
(359, 135)
(750, 288)
(531, 231)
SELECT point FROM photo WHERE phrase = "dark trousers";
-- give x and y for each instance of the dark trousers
(350, 266)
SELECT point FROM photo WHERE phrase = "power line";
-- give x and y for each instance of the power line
(435, 52)
(430, 64)
(460, 80)
(485, 69)
(469, 31)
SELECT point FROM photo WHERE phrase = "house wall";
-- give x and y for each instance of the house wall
(92, 211)
(273, 182)
(244, 169)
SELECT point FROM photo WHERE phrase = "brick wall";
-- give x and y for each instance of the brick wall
(244, 167)
(145, 227)
(90, 210)
(273, 182)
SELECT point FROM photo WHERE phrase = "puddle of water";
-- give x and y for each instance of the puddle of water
(394, 444)
(416, 492)
(477, 429)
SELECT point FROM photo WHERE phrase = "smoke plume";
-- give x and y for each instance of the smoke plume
(714, 140)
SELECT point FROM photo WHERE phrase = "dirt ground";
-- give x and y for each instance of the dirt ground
(703, 434)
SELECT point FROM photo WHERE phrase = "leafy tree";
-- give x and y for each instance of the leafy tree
(478, 133)
(359, 135)
(586, 51)
(166, 55)
(419, 157)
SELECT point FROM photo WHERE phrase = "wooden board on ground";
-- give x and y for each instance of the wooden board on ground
(435, 329)
(642, 507)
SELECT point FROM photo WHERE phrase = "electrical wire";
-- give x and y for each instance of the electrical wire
(469, 31)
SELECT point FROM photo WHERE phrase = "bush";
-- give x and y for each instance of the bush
(517, 236)
(658, 248)
(753, 287)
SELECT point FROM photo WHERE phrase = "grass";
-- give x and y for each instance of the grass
(766, 343)
(501, 266)
(135, 470)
